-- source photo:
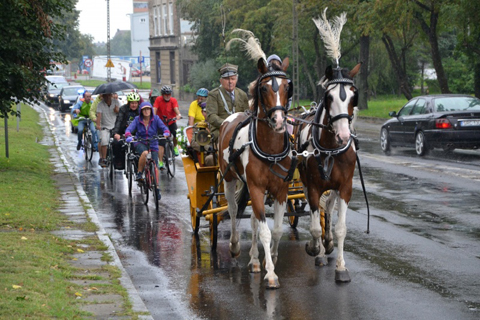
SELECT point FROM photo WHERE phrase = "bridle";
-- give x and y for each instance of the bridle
(268, 113)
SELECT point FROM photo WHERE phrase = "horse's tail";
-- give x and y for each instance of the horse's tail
(242, 200)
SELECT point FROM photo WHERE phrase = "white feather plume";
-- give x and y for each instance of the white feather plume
(249, 43)
(330, 33)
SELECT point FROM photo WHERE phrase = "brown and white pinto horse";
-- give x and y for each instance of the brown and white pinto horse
(263, 164)
(329, 163)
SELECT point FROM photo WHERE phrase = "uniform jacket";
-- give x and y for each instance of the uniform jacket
(216, 112)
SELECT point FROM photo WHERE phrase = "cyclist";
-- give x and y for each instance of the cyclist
(144, 126)
(107, 111)
(81, 109)
(125, 116)
(153, 95)
(195, 111)
(166, 107)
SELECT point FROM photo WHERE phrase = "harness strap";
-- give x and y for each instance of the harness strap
(364, 193)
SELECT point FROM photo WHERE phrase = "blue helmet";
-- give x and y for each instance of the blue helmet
(202, 92)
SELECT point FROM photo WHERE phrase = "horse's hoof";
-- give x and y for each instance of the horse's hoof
(312, 252)
(254, 267)
(321, 261)
(273, 284)
(329, 247)
(342, 276)
(234, 251)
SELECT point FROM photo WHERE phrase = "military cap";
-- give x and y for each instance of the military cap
(228, 70)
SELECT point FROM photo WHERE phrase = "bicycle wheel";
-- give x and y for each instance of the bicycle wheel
(170, 159)
(111, 168)
(130, 172)
(153, 182)
(145, 185)
(87, 146)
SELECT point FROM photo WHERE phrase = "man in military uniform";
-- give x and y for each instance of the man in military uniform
(226, 99)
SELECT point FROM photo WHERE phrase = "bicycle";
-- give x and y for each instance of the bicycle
(169, 153)
(87, 140)
(110, 156)
(150, 172)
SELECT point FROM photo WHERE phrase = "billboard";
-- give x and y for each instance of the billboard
(120, 70)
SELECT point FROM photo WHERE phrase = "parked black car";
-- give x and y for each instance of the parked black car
(447, 121)
(52, 89)
(68, 96)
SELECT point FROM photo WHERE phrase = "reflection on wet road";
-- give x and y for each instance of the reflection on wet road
(420, 261)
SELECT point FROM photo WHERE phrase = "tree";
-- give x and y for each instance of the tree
(27, 32)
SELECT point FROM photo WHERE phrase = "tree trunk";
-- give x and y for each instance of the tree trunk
(308, 73)
(363, 94)
(400, 73)
(431, 32)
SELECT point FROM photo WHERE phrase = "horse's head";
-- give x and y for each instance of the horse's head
(340, 98)
(271, 93)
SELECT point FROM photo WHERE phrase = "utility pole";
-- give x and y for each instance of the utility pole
(109, 70)
(295, 72)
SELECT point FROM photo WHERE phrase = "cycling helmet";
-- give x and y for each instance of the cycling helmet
(133, 96)
(202, 92)
(166, 90)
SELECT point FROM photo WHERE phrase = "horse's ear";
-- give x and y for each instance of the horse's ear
(285, 64)
(262, 66)
(355, 70)
(329, 73)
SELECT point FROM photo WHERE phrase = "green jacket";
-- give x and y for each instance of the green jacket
(84, 110)
(216, 110)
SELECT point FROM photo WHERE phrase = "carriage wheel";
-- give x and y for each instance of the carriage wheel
(213, 232)
(292, 220)
(195, 219)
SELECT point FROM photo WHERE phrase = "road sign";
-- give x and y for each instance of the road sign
(88, 63)
(109, 64)
(141, 59)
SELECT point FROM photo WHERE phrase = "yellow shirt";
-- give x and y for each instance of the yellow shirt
(195, 111)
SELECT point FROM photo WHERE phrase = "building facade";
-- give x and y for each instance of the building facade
(170, 43)
(140, 38)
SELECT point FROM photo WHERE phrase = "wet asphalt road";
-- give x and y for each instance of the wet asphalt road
(420, 261)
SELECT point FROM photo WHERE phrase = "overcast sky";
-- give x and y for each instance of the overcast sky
(93, 17)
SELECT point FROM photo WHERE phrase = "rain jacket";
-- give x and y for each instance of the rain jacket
(84, 109)
(139, 128)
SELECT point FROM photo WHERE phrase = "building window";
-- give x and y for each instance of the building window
(160, 24)
(156, 19)
(165, 20)
(172, 67)
(159, 67)
(171, 17)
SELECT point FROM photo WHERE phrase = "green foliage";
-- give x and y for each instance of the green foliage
(27, 46)
(120, 45)
(204, 75)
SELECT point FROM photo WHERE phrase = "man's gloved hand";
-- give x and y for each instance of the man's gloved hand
(129, 139)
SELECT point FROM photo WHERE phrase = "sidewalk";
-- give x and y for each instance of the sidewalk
(94, 265)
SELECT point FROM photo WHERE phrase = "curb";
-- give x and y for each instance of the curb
(138, 305)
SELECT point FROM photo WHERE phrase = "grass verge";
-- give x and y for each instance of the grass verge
(34, 267)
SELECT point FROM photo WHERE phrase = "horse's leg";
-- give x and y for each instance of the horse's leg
(313, 247)
(232, 210)
(329, 208)
(254, 264)
(326, 247)
(341, 272)
(279, 213)
(258, 206)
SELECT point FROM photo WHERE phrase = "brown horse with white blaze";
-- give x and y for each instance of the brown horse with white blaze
(255, 149)
(329, 163)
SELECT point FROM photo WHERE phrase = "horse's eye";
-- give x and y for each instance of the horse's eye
(264, 89)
